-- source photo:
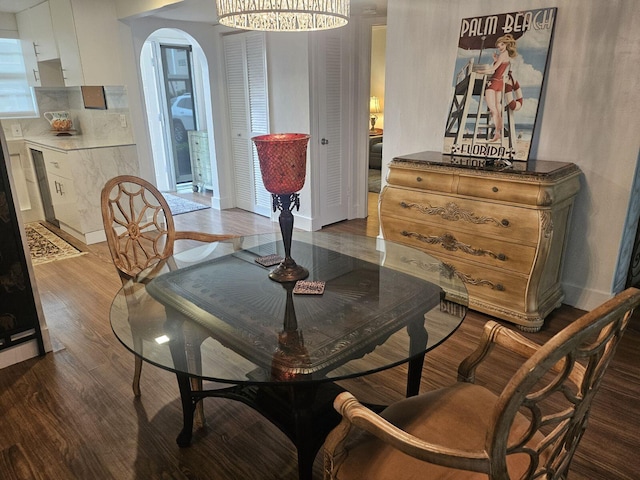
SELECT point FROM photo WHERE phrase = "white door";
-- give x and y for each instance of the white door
(330, 126)
(245, 61)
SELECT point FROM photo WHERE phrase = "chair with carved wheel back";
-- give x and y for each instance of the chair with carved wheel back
(141, 233)
(530, 430)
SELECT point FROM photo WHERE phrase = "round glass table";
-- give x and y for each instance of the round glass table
(211, 313)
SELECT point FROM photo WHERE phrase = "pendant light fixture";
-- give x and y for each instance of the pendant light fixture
(283, 15)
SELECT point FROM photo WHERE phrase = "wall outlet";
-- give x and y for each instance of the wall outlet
(16, 130)
(123, 121)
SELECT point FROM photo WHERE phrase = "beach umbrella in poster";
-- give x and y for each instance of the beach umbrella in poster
(478, 33)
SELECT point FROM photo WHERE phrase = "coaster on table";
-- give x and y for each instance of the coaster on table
(308, 287)
(269, 260)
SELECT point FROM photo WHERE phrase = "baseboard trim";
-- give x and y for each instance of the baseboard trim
(584, 299)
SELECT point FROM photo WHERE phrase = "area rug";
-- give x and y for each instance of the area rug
(374, 180)
(180, 205)
(45, 246)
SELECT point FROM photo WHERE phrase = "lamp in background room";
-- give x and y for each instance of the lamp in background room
(283, 164)
(283, 15)
(374, 109)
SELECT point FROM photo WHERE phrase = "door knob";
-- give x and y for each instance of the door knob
(324, 141)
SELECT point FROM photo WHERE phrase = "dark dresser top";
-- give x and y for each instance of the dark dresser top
(531, 168)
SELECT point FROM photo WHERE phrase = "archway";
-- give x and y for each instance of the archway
(175, 77)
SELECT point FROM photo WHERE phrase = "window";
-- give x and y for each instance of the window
(16, 96)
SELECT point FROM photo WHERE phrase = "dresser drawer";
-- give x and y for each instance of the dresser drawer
(530, 193)
(480, 217)
(490, 285)
(57, 163)
(436, 181)
(199, 142)
(438, 241)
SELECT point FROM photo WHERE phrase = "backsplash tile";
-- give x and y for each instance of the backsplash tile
(86, 122)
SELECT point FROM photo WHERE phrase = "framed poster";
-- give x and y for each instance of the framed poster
(497, 83)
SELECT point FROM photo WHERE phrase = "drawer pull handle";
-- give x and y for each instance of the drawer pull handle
(494, 189)
(418, 179)
(505, 222)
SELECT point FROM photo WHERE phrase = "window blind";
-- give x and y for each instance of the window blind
(17, 98)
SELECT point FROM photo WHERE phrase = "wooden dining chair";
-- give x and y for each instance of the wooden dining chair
(141, 233)
(529, 430)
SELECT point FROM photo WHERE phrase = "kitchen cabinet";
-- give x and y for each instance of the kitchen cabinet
(63, 195)
(502, 230)
(75, 174)
(71, 43)
(37, 39)
(200, 161)
(87, 35)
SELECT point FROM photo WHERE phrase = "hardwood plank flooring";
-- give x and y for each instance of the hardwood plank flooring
(72, 414)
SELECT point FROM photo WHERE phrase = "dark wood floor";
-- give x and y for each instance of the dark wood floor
(72, 415)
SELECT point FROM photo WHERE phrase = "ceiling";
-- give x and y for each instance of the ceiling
(201, 10)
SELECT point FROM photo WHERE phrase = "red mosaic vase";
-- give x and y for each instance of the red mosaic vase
(283, 161)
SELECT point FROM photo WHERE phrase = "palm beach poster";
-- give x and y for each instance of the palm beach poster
(497, 84)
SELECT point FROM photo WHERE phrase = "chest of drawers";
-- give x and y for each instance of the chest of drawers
(200, 161)
(502, 230)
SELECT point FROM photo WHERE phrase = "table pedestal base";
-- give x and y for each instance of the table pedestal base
(304, 413)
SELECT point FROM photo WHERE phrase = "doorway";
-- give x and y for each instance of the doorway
(177, 76)
(376, 109)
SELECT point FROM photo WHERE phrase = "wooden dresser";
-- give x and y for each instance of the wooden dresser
(200, 161)
(502, 229)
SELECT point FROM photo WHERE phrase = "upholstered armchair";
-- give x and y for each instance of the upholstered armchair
(529, 430)
(375, 152)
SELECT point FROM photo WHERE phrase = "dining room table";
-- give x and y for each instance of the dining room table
(211, 315)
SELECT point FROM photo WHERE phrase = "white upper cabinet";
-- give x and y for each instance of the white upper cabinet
(87, 35)
(39, 30)
(63, 21)
(37, 38)
(80, 37)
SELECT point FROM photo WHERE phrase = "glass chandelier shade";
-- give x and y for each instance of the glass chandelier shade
(283, 161)
(283, 15)
(283, 164)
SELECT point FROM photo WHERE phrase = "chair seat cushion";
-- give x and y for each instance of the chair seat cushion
(455, 417)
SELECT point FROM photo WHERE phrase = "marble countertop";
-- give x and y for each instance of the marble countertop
(74, 142)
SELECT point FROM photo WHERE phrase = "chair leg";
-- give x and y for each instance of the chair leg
(136, 376)
(199, 420)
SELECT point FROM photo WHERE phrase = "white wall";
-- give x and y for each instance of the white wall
(133, 35)
(288, 70)
(589, 115)
(289, 107)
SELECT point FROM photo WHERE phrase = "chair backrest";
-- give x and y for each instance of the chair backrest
(138, 224)
(554, 390)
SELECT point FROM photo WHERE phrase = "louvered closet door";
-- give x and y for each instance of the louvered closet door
(245, 60)
(332, 126)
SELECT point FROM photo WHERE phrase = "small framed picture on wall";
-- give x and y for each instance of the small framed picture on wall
(94, 97)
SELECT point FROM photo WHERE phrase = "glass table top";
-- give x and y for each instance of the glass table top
(383, 304)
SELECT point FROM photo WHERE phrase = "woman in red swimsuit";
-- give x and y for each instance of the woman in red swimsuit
(506, 46)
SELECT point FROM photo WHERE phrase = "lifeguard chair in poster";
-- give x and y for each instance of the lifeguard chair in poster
(497, 84)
